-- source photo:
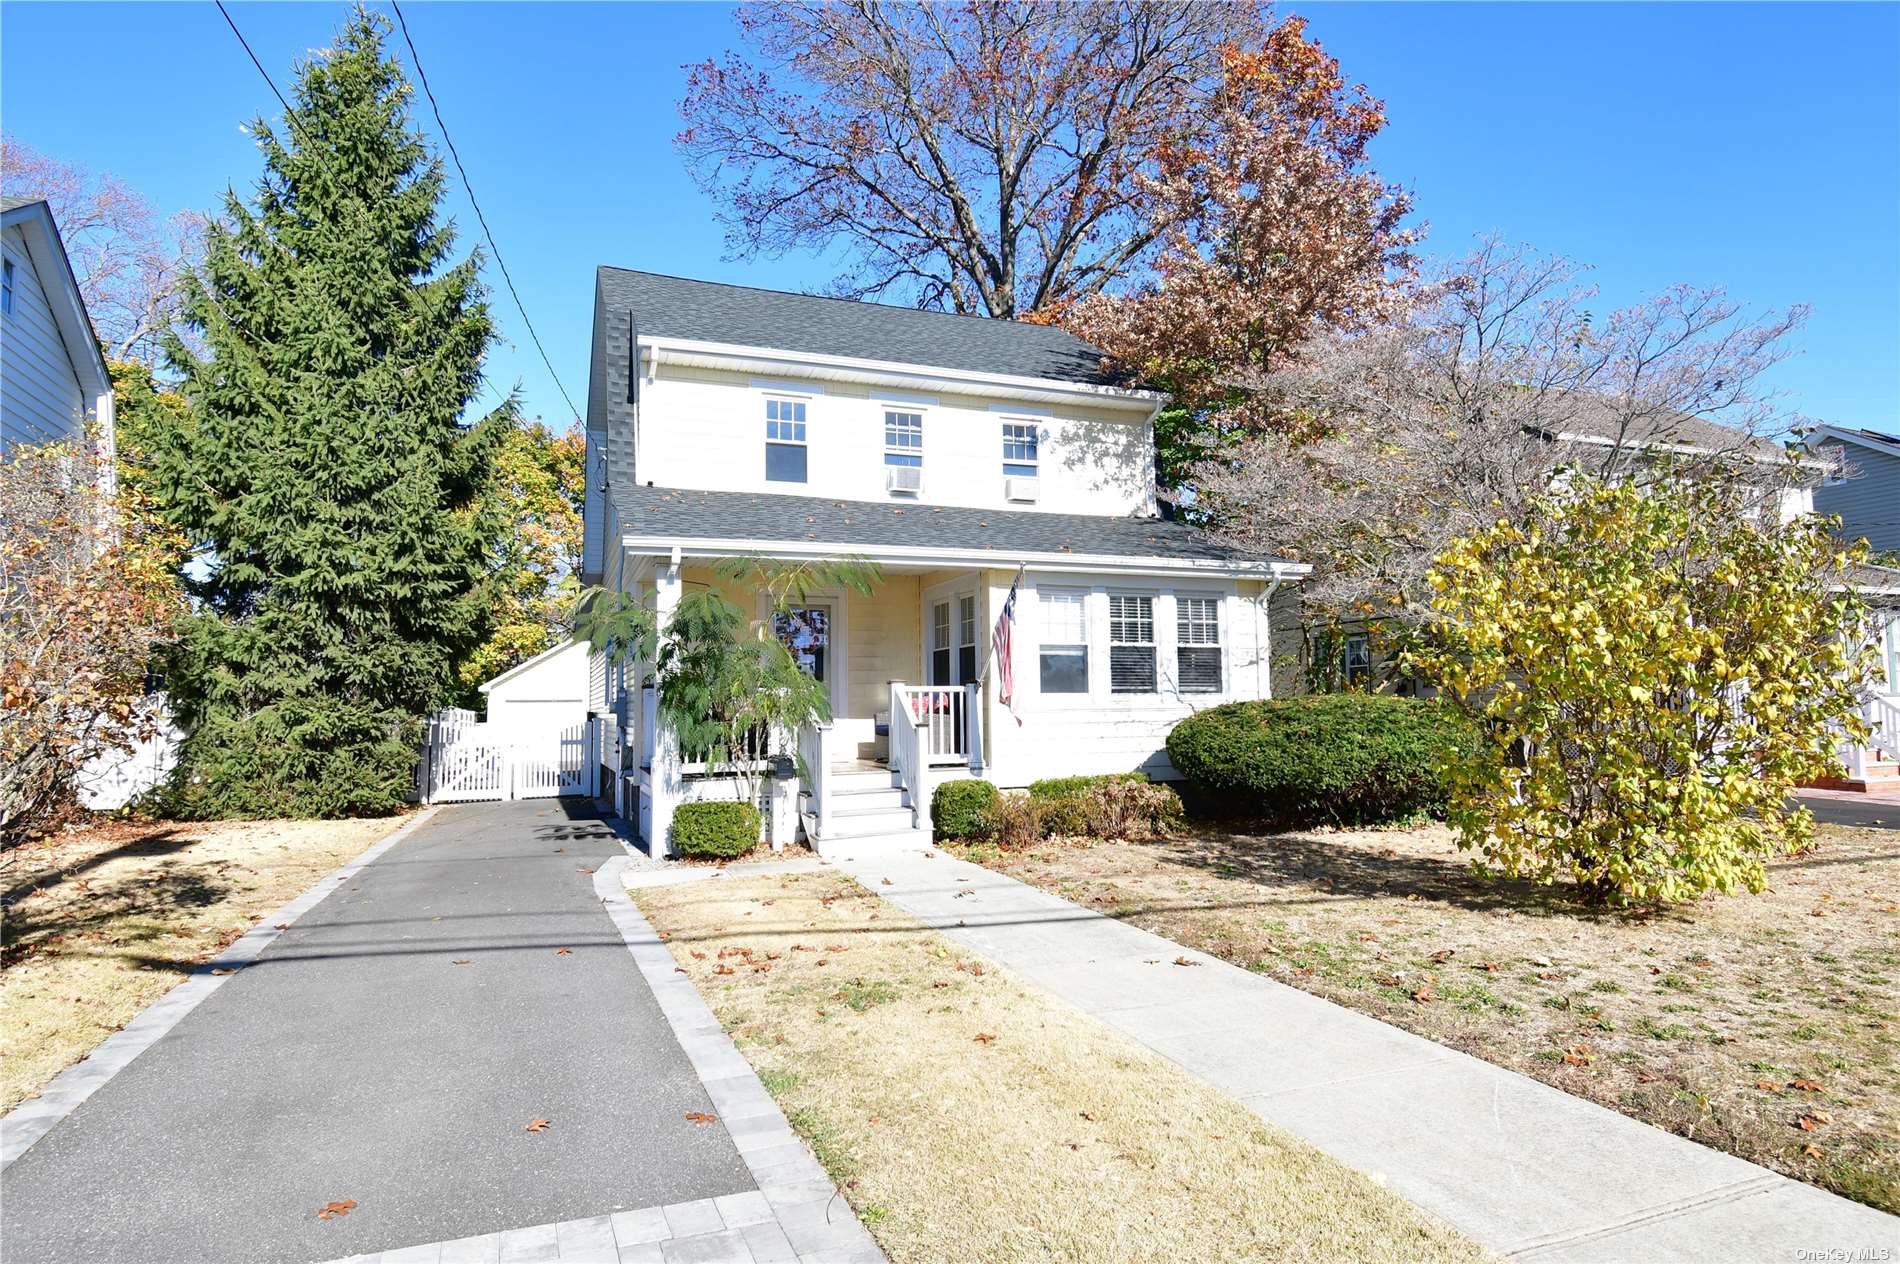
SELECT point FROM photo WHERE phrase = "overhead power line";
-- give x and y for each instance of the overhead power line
(487, 233)
(423, 77)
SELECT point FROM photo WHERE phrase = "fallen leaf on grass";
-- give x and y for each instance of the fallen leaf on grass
(1806, 1086)
(1088, 1116)
(728, 969)
(1443, 955)
(563, 952)
(985, 1038)
(1768, 1086)
(538, 1125)
(1387, 980)
(1811, 1150)
(1645, 1077)
(884, 881)
(1489, 967)
(698, 955)
(1424, 994)
(1183, 961)
(336, 1210)
(701, 1117)
(836, 948)
(1814, 1119)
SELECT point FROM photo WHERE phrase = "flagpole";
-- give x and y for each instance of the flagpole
(983, 675)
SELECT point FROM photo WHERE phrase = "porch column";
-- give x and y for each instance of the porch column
(665, 775)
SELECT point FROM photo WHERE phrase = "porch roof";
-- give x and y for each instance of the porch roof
(658, 518)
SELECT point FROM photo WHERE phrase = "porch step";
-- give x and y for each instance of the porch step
(847, 822)
(871, 844)
(845, 779)
(854, 800)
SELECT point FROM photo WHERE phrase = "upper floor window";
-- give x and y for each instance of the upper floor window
(1197, 644)
(785, 449)
(1019, 449)
(903, 450)
(6, 288)
(1065, 640)
(1131, 644)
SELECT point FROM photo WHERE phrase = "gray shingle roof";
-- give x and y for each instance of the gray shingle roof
(707, 311)
(1602, 418)
(851, 524)
(10, 203)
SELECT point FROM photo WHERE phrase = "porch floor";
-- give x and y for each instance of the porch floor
(859, 765)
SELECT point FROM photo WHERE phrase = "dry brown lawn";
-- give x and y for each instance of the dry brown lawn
(1766, 1026)
(101, 920)
(968, 1116)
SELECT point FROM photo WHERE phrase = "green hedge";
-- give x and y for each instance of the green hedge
(1064, 801)
(964, 809)
(1350, 758)
(716, 831)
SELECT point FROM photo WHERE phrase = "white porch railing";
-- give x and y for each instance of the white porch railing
(1882, 713)
(814, 754)
(945, 714)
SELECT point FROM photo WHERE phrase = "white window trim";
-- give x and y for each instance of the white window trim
(1223, 633)
(766, 397)
(1088, 697)
(1157, 600)
(884, 410)
(1035, 427)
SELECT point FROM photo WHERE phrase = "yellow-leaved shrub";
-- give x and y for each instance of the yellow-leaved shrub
(1655, 670)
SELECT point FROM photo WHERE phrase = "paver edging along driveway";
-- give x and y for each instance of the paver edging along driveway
(390, 1049)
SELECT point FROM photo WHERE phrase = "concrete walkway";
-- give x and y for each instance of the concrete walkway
(391, 1047)
(1521, 1167)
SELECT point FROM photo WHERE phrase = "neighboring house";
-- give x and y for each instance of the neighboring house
(955, 453)
(53, 387)
(53, 378)
(1862, 487)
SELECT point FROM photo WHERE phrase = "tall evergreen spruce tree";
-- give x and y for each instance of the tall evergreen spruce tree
(342, 510)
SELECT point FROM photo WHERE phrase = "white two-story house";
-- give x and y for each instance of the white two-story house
(962, 456)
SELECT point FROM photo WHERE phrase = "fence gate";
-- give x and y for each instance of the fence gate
(465, 762)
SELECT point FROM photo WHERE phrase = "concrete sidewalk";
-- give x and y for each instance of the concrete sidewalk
(1521, 1167)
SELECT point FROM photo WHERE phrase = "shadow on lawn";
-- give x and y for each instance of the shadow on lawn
(1268, 858)
(108, 918)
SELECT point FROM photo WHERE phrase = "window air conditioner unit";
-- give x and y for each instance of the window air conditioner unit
(904, 478)
(1021, 488)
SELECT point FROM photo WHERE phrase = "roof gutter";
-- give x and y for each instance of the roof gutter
(1084, 563)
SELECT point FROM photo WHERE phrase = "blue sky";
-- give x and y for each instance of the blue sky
(1751, 146)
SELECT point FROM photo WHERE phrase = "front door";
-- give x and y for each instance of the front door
(806, 631)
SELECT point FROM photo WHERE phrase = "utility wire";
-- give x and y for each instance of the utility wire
(288, 112)
(423, 77)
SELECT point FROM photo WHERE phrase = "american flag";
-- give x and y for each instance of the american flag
(1000, 651)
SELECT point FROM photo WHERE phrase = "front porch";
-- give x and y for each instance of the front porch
(869, 771)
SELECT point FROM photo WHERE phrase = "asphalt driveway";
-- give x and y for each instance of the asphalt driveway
(392, 1047)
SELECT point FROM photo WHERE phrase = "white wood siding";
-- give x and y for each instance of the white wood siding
(705, 429)
(1102, 731)
(40, 396)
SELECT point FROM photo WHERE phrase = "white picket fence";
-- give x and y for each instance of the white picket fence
(464, 761)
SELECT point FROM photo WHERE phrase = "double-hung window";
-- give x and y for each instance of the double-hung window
(1356, 660)
(1131, 644)
(1065, 640)
(785, 451)
(1019, 449)
(6, 286)
(903, 449)
(1197, 644)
